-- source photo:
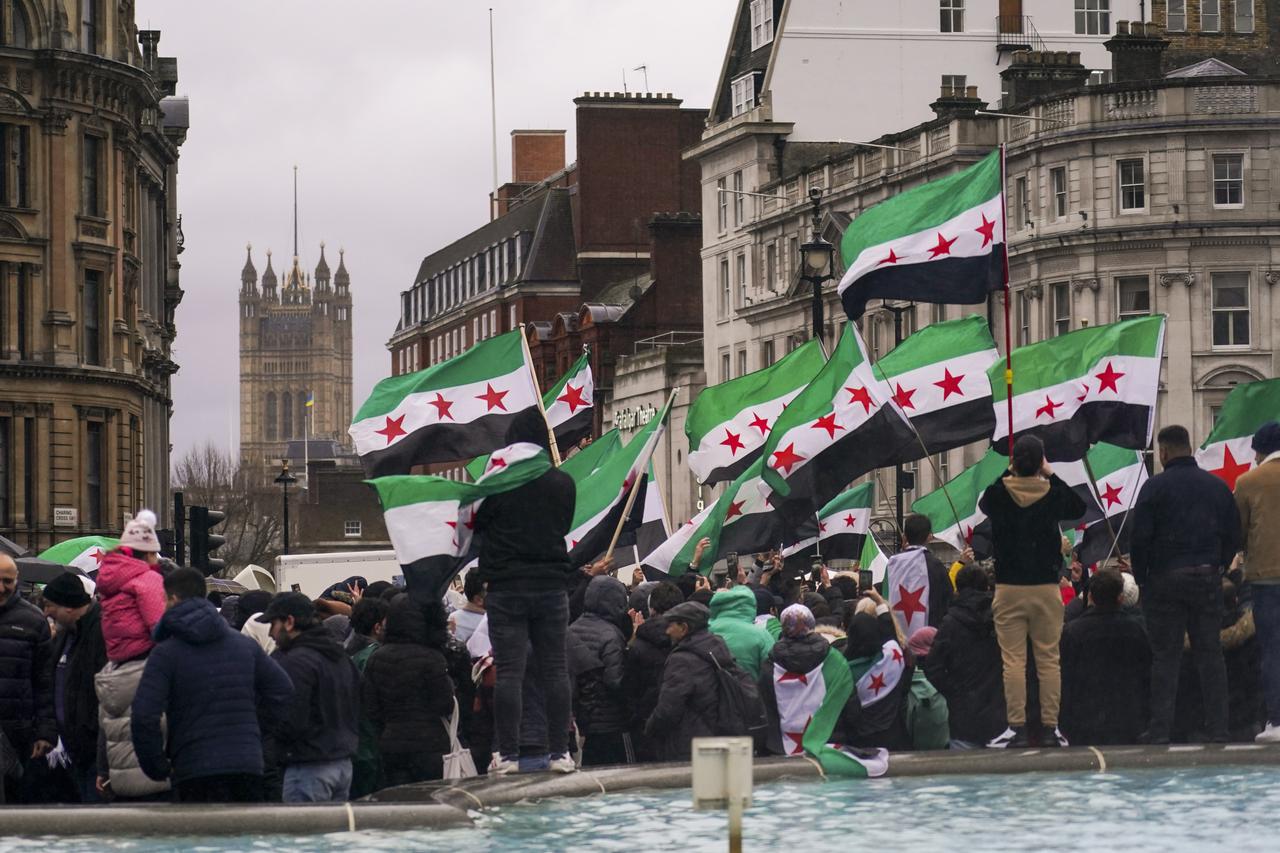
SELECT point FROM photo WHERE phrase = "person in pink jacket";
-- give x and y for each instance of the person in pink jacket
(131, 591)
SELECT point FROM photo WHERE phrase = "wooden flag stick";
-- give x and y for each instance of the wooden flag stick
(537, 395)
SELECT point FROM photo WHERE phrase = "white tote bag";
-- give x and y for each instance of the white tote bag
(458, 764)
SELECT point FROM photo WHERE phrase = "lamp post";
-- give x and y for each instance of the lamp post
(285, 480)
(816, 261)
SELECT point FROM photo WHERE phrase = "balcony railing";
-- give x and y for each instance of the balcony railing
(1016, 32)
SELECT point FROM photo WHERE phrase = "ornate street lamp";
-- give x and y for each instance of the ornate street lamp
(285, 480)
(816, 261)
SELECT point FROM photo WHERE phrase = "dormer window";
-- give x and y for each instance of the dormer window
(761, 23)
(744, 92)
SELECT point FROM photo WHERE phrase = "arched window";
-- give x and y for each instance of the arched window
(286, 406)
(271, 417)
(15, 26)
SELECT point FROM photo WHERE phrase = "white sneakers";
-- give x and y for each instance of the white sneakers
(1271, 734)
(500, 766)
(1004, 739)
(562, 764)
(1060, 737)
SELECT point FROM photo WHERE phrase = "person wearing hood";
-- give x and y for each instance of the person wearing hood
(321, 731)
(645, 661)
(689, 699)
(208, 685)
(407, 694)
(881, 723)
(131, 591)
(964, 663)
(78, 653)
(799, 651)
(1025, 506)
(733, 617)
(767, 611)
(597, 664)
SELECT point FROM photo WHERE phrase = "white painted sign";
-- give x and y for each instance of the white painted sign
(65, 516)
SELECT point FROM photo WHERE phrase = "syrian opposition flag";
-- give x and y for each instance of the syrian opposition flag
(873, 559)
(842, 425)
(883, 675)
(674, 555)
(938, 377)
(842, 526)
(602, 492)
(728, 423)
(1228, 451)
(907, 578)
(940, 242)
(457, 409)
(84, 552)
(809, 707)
(654, 527)
(430, 519)
(965, 489)
(1095, 384)
(1121, 473)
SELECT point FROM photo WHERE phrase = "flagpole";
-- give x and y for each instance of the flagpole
(635, 487)
(1093, 482)
(306, 439)
(537, 395)
(1008, 326)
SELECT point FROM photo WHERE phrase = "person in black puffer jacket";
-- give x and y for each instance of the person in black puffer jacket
(408, 694)
(689, 702)
(964, 663)
(882, 723)
(26, 670)
(642, 678)
(597, 651)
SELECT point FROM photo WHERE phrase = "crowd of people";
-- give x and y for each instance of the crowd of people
(143, 686)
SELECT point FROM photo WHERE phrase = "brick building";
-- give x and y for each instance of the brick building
(602, 252)
(1240, 33)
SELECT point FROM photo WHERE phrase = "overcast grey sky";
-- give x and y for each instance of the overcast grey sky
(384, 107)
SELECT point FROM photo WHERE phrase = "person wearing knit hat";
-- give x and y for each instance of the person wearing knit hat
(79, 652)
(799, 651)
(131, 590)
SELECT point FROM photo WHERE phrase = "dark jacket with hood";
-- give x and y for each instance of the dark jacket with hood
(597, 655)
(1106, 670)
(522, 532)
(964, 665)
(1025, 513)
(642, 681)
(794, 654)
(88, 654)
(26, 675)
(688, 702)
(407, 691)
(883, 722)
(211, 683)
(323, 716)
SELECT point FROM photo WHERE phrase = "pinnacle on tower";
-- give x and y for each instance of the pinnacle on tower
(269, 280)
(322, 270)
(248, 275)
(342, 278)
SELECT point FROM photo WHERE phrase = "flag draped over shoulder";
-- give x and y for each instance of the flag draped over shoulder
(1228, 451)
(907, 577)
(939, 242)
(727, 423)
(809, 708)
(1091, 385)
(938, 377)
(964, 489)
(1121, 473)
(842, 425)
(882, 676)
(430, 519)
(84, 552)
(454, 410)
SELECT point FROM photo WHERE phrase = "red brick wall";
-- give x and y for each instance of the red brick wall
(536, 155)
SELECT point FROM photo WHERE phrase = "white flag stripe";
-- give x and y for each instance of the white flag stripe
(884, 675)
(1214, 456)
(507, 456)
(662, 556)
(958, 536)
(560, 411)
(918, 248)
(466, 405)
(926, 395)
(713, 453)
(422, 530)
(798, 697)
(909, 588)
(838, 524)
(1057, 403)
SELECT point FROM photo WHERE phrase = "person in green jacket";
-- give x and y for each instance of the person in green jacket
(733, 614)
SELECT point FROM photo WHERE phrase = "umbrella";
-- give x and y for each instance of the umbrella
(224, 586)
(13, 549)
(37, 570)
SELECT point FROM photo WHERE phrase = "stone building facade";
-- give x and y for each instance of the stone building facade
(295, 347)
(90, 130)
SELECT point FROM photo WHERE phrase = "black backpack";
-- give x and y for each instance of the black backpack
(739, 709)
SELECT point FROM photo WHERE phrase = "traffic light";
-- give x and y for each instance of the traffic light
(204, 542)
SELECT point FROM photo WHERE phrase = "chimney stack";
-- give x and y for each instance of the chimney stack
(953, 103)
(1137, 52)
(1034, 74)
(536, 155)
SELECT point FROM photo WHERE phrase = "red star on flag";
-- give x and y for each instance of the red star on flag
(394, 428)
(443, 407)
(1107, 379)
(877, 682)
(822, 527)
(492, 398)
(572, 397)
(860, 395)
(849, 520)
(1111, 494)
(903, 397)
(1231, 468)
(98, 556)
(828, 423)
(759, 423)
(495, 463)
(1047, 408)
(735, 508)
(794, 676)
(890, 259)
(968, 536)
(949, 384)
(908, 603)
(1084, 388)
(897, 656)
(787, 457)
(797, 738)
(733, 441)
(987, 229)
(943, 247)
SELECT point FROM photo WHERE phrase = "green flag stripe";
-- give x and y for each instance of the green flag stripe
(1246, 408)
(935, 343)
(723, 402)
(528, 462)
